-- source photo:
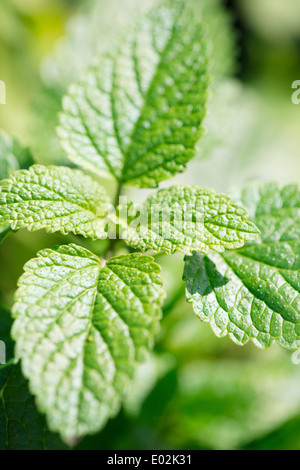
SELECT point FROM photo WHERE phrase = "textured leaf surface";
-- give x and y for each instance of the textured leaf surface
(137, 114)
(221, 37)
(12, 157)
(54, 198)
(80, 328)
(253, 292)
(186, 219)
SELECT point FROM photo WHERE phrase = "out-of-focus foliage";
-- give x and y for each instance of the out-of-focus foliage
(254, 292)
(283, 25)
(108, 317)
(13, 156)
(28, 30)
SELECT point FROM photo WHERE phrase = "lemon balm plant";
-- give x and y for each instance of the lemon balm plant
(83, 322)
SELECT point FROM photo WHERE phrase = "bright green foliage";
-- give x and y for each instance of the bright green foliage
(81, 325)
(54, 198)
(12, 156)
(254, 292)
(186, 219)
(137, 113)
(5, 326)
(81, 44)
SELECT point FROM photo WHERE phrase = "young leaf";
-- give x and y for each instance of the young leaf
(186, 219)
(137, 114)
(81, 326)
(54, 198)
(254, 292)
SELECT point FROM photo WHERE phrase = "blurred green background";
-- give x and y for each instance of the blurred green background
(195, 391)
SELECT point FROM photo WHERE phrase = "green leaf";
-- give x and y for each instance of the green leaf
(137, 113)
(54, 198)
(5, 326)
(185, 219)
(79, 46)
(12, 156)
(253, 292)
(21, 425)
(81, 326)
(4, 231)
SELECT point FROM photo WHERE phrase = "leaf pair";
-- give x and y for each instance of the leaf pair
(82, 323)
(180, 218)
(68, 297)
(254, 292)
(22, 427)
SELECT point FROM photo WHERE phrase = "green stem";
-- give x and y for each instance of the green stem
(113, 241)
(118, 194)
(159, 255)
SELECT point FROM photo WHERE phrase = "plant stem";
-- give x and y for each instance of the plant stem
(113, 241)
(118, 194)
